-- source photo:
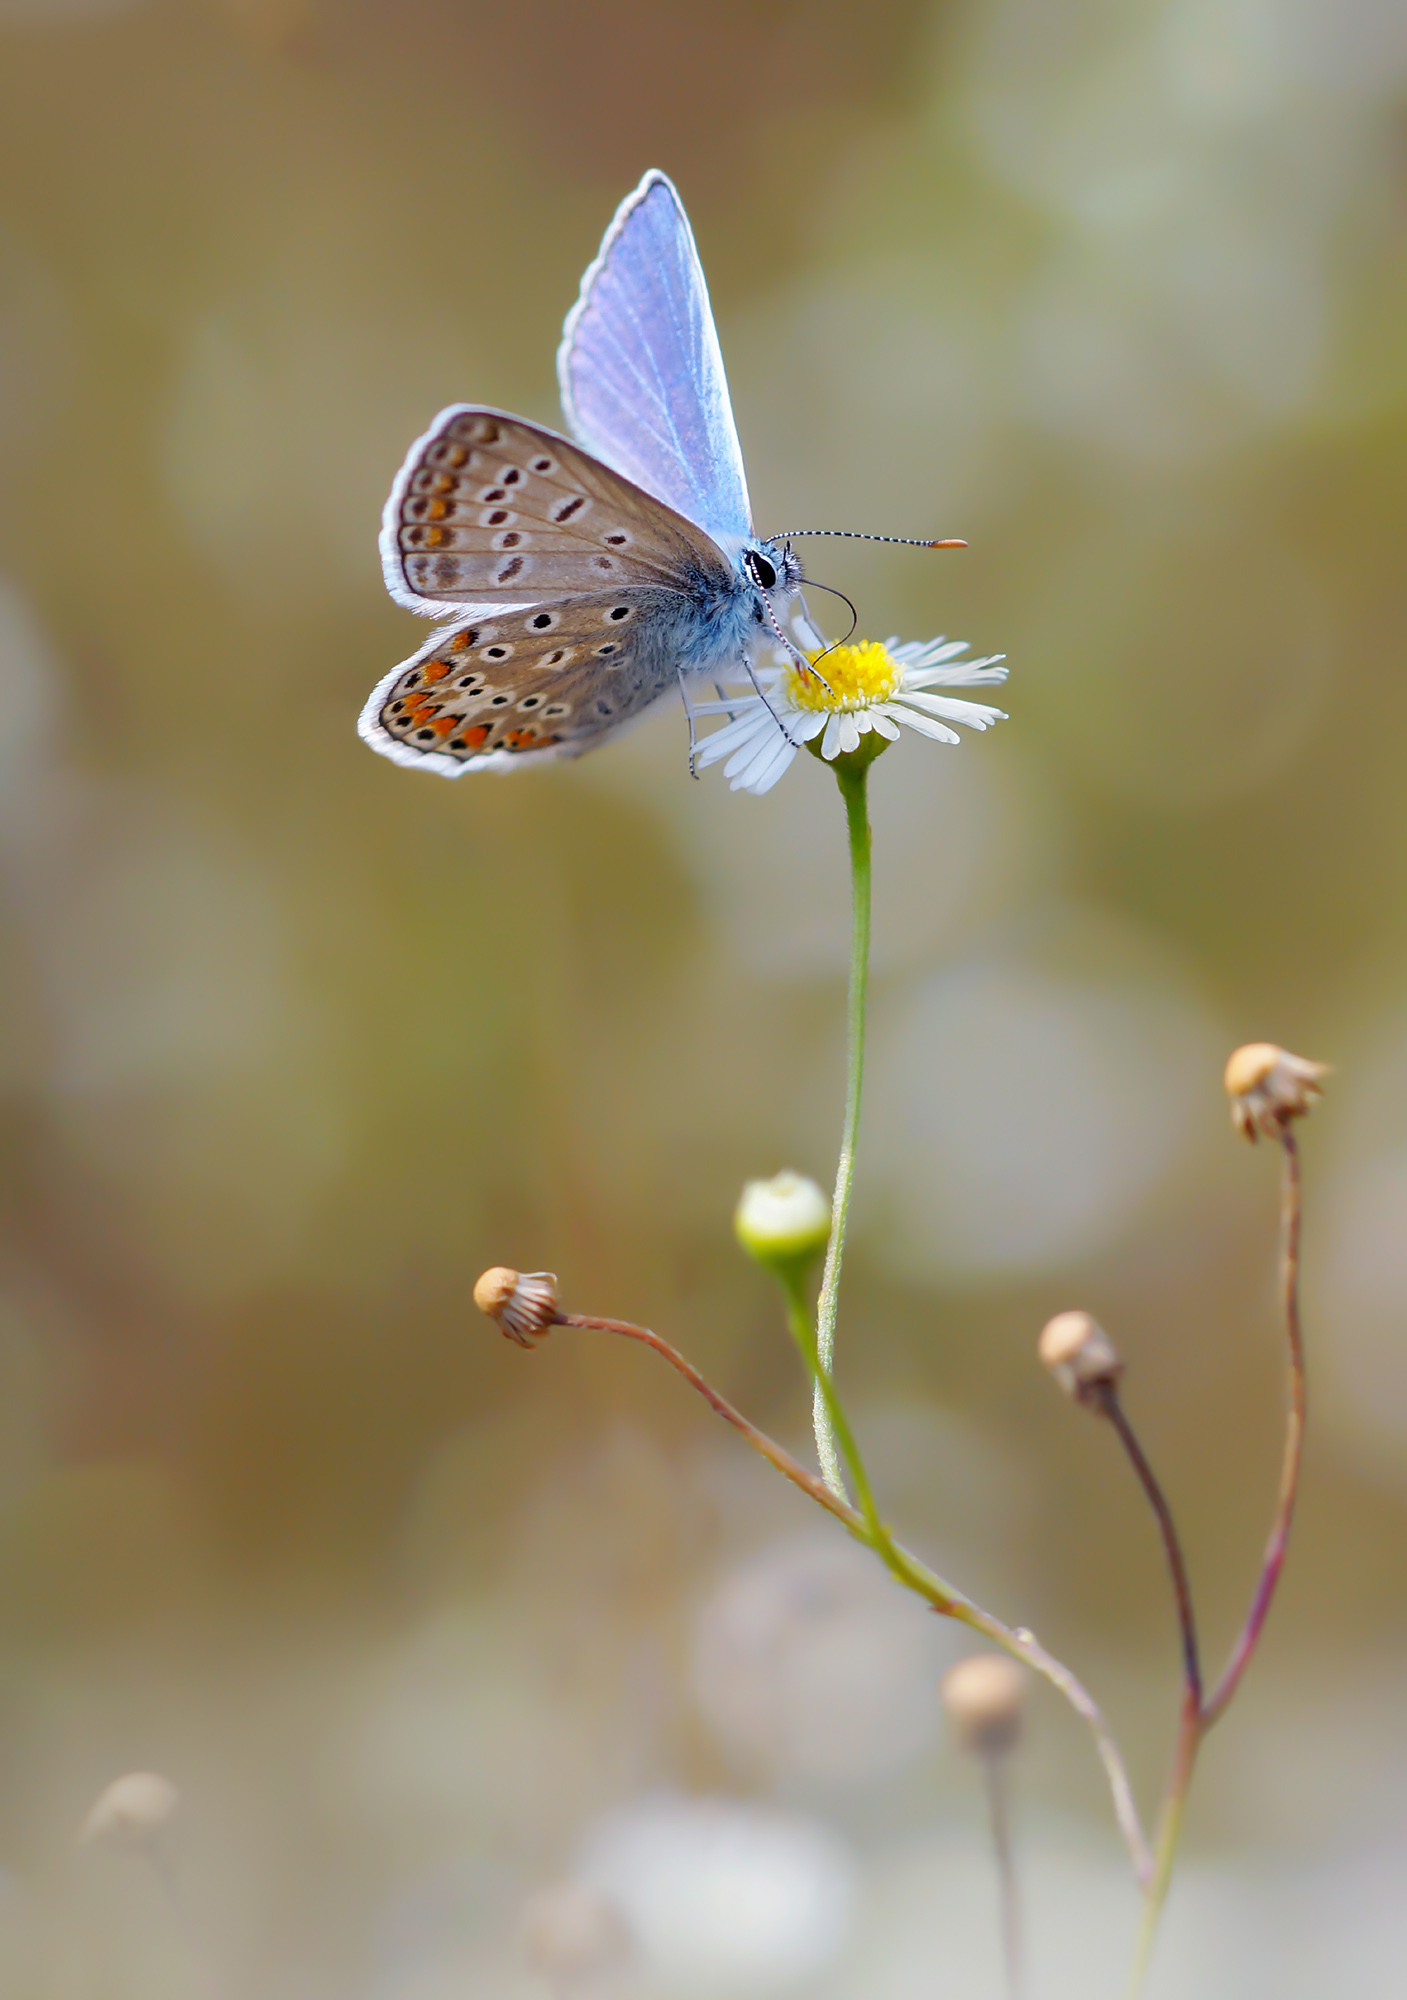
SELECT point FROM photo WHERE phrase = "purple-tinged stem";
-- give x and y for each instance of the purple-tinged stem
(1242, 1652)
(1110, 1407)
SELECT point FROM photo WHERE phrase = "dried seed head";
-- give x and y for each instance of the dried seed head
(983, 1697)
(132, 1811)
(572, 1935)
(525, 1303)
(1268, 1087)
(1080, 1355)
(786, 1220)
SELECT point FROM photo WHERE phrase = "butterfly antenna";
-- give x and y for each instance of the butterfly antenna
(853, 535)
(811, 584)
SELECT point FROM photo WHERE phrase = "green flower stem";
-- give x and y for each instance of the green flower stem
(853, 779)
(1191, 1730)
(914, 1575)
(867, 1526)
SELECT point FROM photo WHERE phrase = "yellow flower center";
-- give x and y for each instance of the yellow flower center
(855, 677)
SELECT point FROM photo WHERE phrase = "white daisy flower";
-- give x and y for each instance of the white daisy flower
(866, 686)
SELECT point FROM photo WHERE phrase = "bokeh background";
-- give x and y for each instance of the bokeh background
(294, 1042)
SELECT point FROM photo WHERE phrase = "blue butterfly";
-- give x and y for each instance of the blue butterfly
(582, 579)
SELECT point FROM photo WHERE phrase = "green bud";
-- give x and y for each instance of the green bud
(783, 1222)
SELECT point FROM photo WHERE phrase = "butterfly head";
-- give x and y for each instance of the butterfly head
(771, 567)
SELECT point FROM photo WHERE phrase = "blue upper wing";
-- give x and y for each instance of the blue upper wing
(641, 372)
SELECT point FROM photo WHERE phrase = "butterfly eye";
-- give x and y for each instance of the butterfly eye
(760, 570)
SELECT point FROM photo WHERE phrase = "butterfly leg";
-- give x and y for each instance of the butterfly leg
(752, 676)
(693, 732)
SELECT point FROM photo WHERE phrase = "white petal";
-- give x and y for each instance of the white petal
(880, 720)
(809, 723)
(925, 725)
(965, 673)
(764, 779)
(849, 731)
(743, 756)
(975, 714)
(830, 742)
(751, 758)
(924, 653)
(733, 736)
(734, 707)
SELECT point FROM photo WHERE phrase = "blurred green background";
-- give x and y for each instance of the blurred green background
(294, 1042)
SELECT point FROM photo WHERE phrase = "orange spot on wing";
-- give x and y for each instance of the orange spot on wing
(459, 642)
(437, 510)
(434, 537)
(445, 723)
(478, 736)
(435, 670)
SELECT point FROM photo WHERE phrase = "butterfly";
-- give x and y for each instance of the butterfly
(581, 579)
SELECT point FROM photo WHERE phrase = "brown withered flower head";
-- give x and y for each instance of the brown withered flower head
(1080, 1355)
(983, 1697)
(1268, 1087)
(524, 1303)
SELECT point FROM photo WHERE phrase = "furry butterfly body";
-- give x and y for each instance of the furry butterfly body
(580, 579)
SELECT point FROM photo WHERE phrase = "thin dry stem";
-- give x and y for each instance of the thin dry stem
(1273, 1563)
(944, 1598)
(994, 1773)
(1109, 1406)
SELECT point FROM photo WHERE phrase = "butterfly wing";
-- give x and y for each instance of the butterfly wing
(641, 371)
(489, 511)
(529, 684)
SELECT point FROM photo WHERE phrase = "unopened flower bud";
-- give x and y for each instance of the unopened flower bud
(784, 1221)
(983, 1697)
(1268, 1087)
(525, 1303)
(132, 1811)
(1080, 1355)
(572, 1935)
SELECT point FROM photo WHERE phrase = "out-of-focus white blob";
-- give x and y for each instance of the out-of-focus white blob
(575, 1937)
(1360, 1302)
(1194, 169)
(1355, 1921)
(133, 1812)
(470, 1724)
(808, 1663)
(723, 1898)
(1020, 1120)
(931, 1923)
(452, 1930)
